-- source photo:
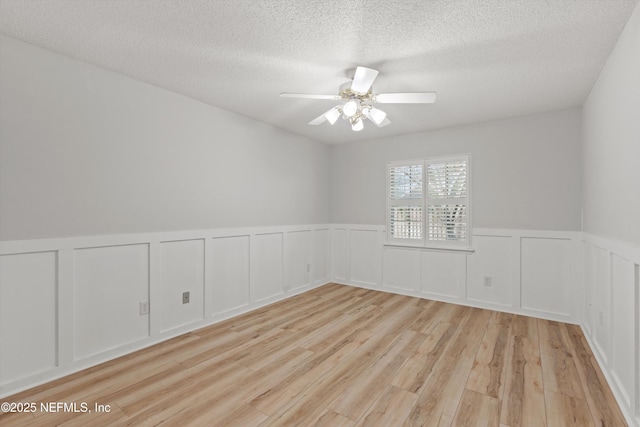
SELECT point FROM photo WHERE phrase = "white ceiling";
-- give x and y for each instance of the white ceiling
(486, 59)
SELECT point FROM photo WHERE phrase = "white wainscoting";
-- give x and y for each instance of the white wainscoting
(536, 273)
(611, 316)
(230, 274)
(67, 304)
(70, 303)
(109, 283)
(266, 270)
(181, 270)
(27, 314)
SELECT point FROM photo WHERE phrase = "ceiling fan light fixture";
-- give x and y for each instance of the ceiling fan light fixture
(376, 115)
(332, 115)
(350, 108)
(358, 98)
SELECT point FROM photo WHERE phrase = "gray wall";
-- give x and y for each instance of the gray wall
(87, 151)
(526, 171)
(612, 143)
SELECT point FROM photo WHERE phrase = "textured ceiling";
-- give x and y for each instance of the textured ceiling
(486, 59)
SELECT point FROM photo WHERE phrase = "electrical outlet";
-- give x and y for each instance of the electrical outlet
(185, 297)
(308, 267)
(144, 308)
(487, 281)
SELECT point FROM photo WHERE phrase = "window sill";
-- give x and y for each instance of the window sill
(430, 248)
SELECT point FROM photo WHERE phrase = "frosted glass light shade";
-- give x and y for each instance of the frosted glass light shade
(376, 116)
(350, 108)
(332, 115)
(357, 125)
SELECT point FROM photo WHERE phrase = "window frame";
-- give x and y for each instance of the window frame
(424, 242)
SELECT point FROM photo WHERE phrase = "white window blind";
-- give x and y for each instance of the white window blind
(406, 201)
(406, 182)
(447, 200)
(428, 202)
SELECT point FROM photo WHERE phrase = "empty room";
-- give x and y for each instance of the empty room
(320, 213)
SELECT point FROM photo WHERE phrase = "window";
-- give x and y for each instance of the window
(428, 202)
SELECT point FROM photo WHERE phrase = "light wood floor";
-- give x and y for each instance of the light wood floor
(343, 356)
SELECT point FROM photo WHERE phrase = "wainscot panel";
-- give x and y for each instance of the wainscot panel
(490, 270)
(611, 316)
(546, 270)
(230, 273)
(401, 269)
(297, 259)
(110, 285)
(443, 274)
(321, 255)
(365, 256)
(28, 298)
(267, 281)
(181, 270)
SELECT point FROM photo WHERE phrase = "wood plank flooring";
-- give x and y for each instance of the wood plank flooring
(344, 356)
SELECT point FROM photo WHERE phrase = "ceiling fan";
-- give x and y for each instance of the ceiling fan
(358, 101)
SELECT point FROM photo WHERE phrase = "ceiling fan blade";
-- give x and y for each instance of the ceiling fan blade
(363, 79)
(406, 98)
(331, 115)
(318, 120)
(383, 123)
(310, 96)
